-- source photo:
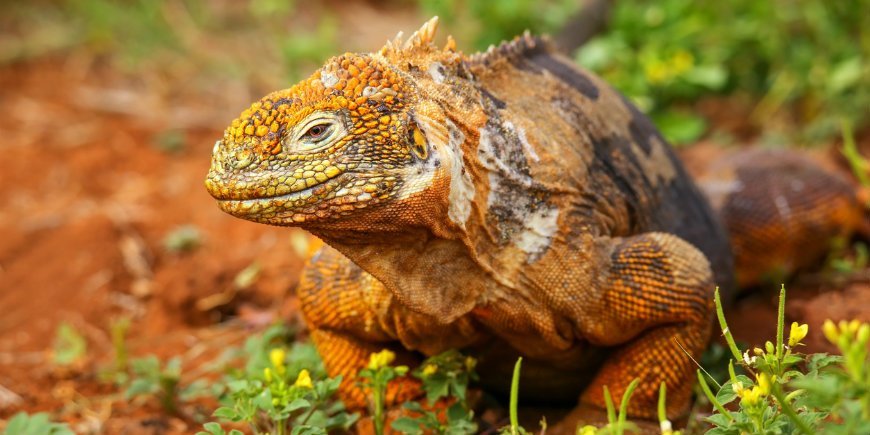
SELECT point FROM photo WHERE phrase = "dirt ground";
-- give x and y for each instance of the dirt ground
(88, 195)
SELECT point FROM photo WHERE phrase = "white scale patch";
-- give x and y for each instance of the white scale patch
(539, 228)
(328, 79)
(461, 188)
(523, 219)
(436, 71)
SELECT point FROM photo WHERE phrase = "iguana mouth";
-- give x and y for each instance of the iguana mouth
(275, 204)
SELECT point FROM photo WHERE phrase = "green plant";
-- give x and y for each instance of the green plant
(117, 373)
(69, 345)
(36, 424)
(617, 423)
(832, 396)
(485, 22)
(150, 379)
(183, 238)
(514, 428)
(281, 390)
(443, 377)
(859, 164)
(843, 260)
(803, 69)
(376, 376)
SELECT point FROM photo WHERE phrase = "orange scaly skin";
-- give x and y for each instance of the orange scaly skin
(504, 203)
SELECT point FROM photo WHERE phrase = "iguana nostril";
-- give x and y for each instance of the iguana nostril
(242, 159)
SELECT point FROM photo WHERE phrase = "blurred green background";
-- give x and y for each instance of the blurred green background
(784, 71)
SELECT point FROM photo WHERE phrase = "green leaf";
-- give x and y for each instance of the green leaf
(436, 388)
(297, 404)
(709, 76)
(845, 74)
(36, 424)
(456, 412)
(213, 429)
(227, 413)
(308, 430)
(680, 127)
(140, 386)
(817, 361)
(719, 420)
(726, 394)
(407, 425)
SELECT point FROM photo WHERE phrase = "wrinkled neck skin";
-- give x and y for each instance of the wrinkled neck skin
(427, 244)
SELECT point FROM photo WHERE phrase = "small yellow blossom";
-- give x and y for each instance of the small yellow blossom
(830, 331)
(797, 333)
(737, 387)
(681, 62)
(267, 374)
(764, 384)
(587, 430)
(381, 359)
(276, 357)
(303, 380)
(470, 363)
(863, 335)
(750, 397)
(768, 346)
(430, 370)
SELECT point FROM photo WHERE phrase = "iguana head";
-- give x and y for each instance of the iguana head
(335, 146)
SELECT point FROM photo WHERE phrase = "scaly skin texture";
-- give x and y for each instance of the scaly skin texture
(781, 211)
(504, 203)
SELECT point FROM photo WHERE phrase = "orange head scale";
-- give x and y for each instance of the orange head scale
(348, 140)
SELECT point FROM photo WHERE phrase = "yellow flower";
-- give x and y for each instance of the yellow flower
(681, 62)
(587, 430)
(430, 370)
(764, 384)
(750, 397)
(656, 72)
(303, 380)
(276, 357)
(797, 333)
(853, 326)
(737, 387)
(381, 359)
(863, 335)
(267, 374)
(470, 363)
(830, 331)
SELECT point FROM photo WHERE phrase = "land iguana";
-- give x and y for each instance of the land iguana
(506, 203)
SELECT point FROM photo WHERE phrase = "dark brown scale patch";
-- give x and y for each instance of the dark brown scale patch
(499, 104)
(566, 73)
(641, 128)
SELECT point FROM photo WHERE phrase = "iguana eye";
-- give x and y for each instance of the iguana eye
(316, 132)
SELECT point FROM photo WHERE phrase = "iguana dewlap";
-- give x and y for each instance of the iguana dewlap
(505, 203)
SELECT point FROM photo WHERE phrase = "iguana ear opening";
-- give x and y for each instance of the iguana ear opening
(417, 142)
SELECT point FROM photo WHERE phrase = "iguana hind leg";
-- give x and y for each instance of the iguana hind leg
(655, 298)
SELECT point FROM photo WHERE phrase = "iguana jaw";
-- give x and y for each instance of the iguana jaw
(335, 198)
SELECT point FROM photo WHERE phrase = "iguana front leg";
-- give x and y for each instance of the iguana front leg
(352, 315)
(341, 305)
(655, 296)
